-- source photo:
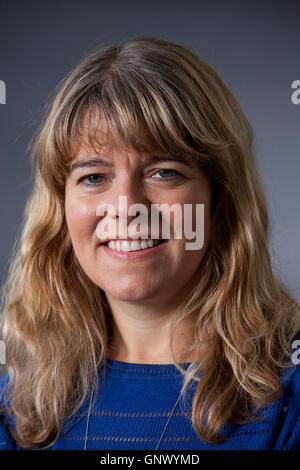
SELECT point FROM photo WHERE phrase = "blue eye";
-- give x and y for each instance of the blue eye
(94, 180)
(165, 174)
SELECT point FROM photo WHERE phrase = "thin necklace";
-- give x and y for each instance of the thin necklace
(88, 420)
(177, 401)
(89, 413)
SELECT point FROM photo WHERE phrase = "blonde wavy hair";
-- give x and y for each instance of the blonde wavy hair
(156, 95)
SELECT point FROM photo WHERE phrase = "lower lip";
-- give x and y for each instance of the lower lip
(132, 255)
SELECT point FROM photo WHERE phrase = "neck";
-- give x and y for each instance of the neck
(141, 334)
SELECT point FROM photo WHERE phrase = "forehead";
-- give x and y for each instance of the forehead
(97, 143)
(97, 138)
(95, 134)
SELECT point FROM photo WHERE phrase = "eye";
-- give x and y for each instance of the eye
(94, 179)
(167, 174)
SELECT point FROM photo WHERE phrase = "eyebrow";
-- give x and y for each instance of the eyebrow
(188, 161)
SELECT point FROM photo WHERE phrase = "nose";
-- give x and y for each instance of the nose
(128, 192)
(125, 201)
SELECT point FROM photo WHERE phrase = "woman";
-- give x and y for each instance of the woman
(118, 342)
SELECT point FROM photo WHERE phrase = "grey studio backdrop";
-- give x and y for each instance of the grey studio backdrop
(253, 45)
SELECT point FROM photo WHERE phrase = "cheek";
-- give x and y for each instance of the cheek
(202, 196)
(80, 217)
(189, 217)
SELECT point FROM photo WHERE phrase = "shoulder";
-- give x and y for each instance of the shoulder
(4, 379)
(289, 435)
(290, 376)
(290, 379)
(6, 442)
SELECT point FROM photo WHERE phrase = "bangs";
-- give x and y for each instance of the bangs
(138, 117)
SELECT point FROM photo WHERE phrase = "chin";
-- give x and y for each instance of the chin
(131, 291)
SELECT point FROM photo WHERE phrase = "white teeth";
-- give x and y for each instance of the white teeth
(144, 244)
(111, 245)
(134, 245)
(150, 243)
(125, 246)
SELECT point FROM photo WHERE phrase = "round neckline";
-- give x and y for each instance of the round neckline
(137, 367)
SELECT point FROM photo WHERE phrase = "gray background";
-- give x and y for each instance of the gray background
(253, 45)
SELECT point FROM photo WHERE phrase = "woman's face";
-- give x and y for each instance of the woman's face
(158, 273)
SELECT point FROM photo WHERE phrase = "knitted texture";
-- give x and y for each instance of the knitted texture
(132, 405)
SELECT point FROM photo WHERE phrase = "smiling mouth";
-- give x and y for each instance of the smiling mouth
(133, 245)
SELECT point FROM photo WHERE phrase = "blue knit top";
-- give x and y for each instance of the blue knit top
(132, 405)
